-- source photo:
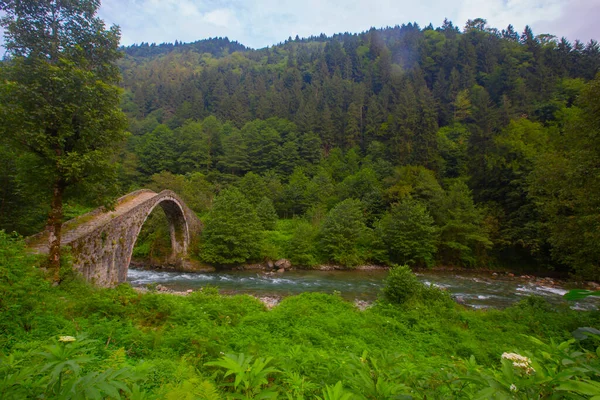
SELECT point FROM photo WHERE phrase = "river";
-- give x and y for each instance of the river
(477, 290)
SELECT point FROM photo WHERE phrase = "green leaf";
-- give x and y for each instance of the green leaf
(589, 388)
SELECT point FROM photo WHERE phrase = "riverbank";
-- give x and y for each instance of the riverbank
(269, 301)
(472, 289)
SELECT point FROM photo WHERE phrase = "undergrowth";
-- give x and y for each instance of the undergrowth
(79, 341)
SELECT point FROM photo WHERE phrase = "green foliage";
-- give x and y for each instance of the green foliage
(154, 240)
(463, 238)
(251, 378)
(60, 99)
(578, 294)
(552, 369)
(335, 392)
(302, 246)
(565, 185)
(312, 122)
(58, 372)
(266, 214)
(194, 188)
(453, 143)
(157, 152)
(313, 341)
(194, 389)
(401, 284)
(341, 232)
(253, 187)
(408, 233)
(523, 137)
(232, 230)
(418, 183)
(382, 377)
(21, 286)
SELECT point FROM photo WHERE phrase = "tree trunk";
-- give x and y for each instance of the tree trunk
(54, 228)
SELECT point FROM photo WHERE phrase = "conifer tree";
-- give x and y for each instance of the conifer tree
(232, 231)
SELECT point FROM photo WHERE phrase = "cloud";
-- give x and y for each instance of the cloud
(260, 23)
(222, 17)
(169, 20)
(578, 20)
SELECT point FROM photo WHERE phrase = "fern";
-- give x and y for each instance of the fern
(336, 392)
(194, 389)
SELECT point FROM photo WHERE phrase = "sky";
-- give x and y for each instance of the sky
(261, 23)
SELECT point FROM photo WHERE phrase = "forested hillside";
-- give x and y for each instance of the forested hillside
(425, 146)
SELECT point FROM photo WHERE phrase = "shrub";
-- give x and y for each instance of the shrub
(401, 285)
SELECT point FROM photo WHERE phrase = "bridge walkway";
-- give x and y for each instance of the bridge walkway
(84, 224)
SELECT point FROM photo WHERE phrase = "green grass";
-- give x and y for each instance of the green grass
(312, 341)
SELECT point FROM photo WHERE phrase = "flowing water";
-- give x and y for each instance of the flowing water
(478, 290)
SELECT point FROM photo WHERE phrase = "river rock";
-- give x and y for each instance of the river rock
(593, 285)
(362, 305)
(269, 302)
(270, 264)
(283, 263)
(253, 266)
(194, 266)
(281, 270)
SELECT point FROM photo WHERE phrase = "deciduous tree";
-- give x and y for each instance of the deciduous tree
(59, 94)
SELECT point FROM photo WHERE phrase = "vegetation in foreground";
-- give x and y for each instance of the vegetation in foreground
(76, 341)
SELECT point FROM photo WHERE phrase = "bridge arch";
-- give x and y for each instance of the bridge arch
(102, 242)
(178, 228)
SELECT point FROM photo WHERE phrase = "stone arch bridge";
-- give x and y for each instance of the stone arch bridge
(102, 241)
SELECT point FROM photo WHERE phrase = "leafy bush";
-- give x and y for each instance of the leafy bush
(251, 379)
(550, 371)
(401, 285)
(58, 372)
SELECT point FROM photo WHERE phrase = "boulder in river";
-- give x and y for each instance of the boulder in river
(283, 263)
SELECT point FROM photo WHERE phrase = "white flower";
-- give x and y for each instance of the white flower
(66, 339)
(513, 388)
(520, 362)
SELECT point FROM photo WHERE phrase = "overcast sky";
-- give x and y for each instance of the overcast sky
(260, 23)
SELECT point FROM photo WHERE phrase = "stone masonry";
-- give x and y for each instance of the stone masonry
(102, 241)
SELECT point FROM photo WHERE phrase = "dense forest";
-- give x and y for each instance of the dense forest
(422, 147)
(425, 146)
